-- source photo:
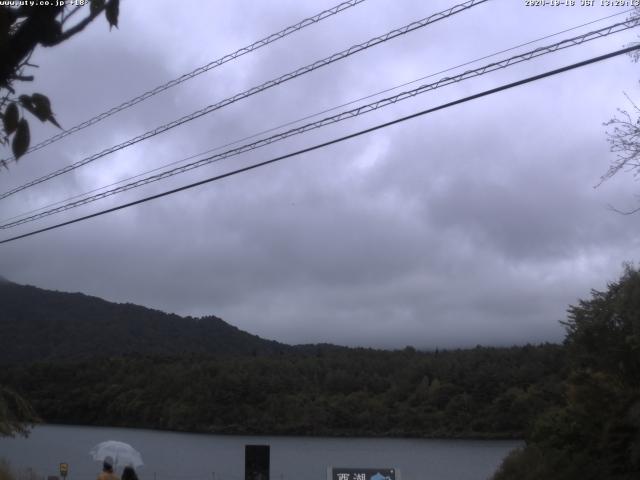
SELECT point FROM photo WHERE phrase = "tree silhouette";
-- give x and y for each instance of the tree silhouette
(623, 135)
(596, 434)
(16, 414)
(22, 29)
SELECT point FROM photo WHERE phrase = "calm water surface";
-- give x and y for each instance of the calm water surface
(182, 456)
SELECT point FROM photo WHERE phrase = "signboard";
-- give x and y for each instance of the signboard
(363, 474)
(256, 462)
(64, 469)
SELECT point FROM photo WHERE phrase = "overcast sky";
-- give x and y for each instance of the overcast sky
(477, 224)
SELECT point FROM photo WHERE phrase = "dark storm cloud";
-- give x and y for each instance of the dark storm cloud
(477, 224)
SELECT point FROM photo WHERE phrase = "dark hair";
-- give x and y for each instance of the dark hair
(129, 474)
(107, 464)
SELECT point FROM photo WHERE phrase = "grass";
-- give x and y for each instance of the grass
(8, 473)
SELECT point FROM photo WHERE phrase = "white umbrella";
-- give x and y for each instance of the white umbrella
(121, 453)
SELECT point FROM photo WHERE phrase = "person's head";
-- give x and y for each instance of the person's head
(129, 473)
(107, 464)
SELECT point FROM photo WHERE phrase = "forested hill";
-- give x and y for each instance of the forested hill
(82, 360)
(479, 393)
(45, 325)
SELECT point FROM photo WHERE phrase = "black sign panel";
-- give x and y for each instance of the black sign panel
(363, 474)
(256, 462)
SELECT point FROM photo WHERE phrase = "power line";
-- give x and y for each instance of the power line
(334, 141)
(194, 73)
(307, 117)
(615, 28)
(252, 91)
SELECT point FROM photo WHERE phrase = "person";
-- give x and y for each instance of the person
(107, 470)
(129, 473)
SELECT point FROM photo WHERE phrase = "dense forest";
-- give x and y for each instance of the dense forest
(482, 392)
(577, 404)
(595, 433)
(83, 360)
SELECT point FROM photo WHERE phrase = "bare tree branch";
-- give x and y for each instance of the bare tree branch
(624, 141)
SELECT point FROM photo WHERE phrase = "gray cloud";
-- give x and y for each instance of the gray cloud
(476, 224)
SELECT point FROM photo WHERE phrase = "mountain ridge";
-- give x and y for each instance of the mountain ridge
(43, 325)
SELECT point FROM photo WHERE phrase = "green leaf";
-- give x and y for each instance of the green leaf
(25, 101)
(7, 18)
(41, 106)
(53, 120)
(96, 6)
(111, 11)
(21, 139)
(10, 118)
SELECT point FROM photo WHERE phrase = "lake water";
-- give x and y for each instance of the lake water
(183, 456)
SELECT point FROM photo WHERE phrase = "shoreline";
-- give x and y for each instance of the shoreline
(337, 436)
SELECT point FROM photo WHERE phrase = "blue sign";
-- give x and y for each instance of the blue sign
(363, 474)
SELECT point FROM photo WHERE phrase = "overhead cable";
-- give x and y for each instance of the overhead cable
(306, 117)
(252, 91)
(332, 142)
(194, 73)
(370, 107)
